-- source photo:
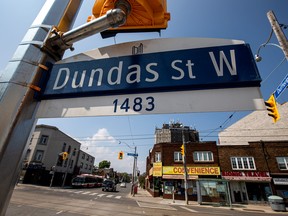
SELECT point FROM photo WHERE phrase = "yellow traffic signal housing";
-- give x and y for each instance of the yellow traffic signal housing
(65, 155)
(182, 150)
(144, 15)
(272, 108)
(120, 155)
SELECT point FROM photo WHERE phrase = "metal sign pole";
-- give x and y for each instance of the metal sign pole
(17, 87)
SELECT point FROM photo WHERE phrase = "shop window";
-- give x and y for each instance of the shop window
(157, 156)
(43, 140)
(282, 163)
(203, 156)
(243, 163)
(178, 157)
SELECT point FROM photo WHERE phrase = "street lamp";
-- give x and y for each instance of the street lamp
(134, 165)
(258, 58)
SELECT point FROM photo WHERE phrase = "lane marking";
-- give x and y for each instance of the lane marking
(188, 209)
(93, 194)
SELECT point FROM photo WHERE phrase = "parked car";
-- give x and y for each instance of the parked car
(123, 185)
(108, 185)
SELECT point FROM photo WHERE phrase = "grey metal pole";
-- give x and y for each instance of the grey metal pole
(185, 169)
(17, 104)
(133, 172)
(278, 32)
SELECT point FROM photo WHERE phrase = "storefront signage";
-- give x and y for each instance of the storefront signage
(179, 170)
(249, 176)
(280, 181)
(157, 169)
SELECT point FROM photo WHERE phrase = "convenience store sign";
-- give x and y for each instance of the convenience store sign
(179, 170)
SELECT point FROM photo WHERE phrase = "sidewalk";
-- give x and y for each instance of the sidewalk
(144, 196)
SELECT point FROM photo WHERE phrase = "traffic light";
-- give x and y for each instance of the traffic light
(120, 155)
(143, 15)
(65, 155)
(272, 108)
(182, 150)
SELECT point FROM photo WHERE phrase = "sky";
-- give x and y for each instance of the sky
(104, 137)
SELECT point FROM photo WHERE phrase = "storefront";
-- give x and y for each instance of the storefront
(249, 187)
(281, 186)
(174, 183)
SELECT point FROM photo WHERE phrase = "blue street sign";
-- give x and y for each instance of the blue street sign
(228, 66)
(282, 86)
(132, 154)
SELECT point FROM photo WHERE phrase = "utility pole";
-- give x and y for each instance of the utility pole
(278, 32)
(185, 168)
(133, 171)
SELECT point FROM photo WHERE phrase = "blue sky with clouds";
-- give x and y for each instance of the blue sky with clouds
(229, 19)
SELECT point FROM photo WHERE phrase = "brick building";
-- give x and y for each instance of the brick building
(166, 171)
(255, 171)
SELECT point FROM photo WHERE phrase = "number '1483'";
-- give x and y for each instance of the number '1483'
(137, 104)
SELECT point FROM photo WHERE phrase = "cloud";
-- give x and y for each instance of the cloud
(103, 146)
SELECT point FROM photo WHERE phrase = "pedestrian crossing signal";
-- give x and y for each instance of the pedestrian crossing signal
(143, 15)
(120, 155)
(272, 108)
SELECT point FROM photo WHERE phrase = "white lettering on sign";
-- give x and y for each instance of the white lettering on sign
(182, 72)
(133, 73)
(219, 68)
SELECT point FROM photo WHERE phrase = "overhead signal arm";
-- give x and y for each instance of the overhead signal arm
(57, 42)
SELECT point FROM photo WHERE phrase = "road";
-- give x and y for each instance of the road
(44, 201)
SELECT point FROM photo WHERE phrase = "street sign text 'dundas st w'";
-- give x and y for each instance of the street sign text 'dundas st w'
(135, 80)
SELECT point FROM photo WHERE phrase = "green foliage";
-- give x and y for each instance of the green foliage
(104, 164)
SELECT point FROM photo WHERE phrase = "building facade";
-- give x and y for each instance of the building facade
(43, 160)
(257, 150)
(166, 170)
(255, 171)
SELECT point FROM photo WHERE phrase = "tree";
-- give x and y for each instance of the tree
(141, 180)
(104, 164)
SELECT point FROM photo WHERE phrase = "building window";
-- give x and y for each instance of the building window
(282, 163)
(157, 156)
(74, 152)
(64, 147)
(71, 163)
(243, 163)
(69, 149)
(39, 156)
(203, 156)
(178, 157)
(81, 165)
(43, 140)
(83, 156)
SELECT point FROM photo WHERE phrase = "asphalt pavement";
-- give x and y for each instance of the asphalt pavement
(144, 196)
